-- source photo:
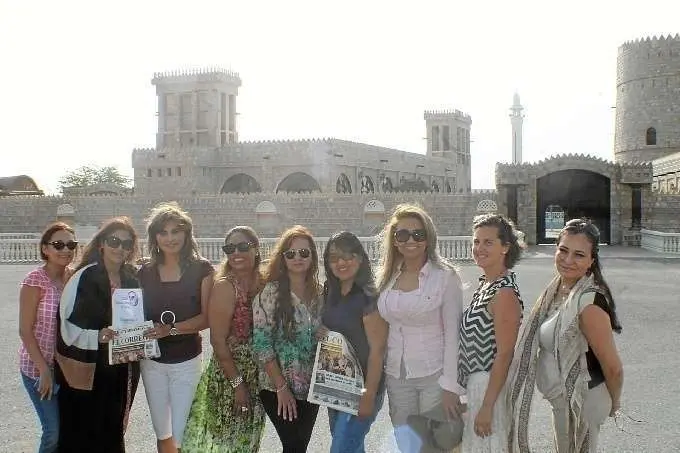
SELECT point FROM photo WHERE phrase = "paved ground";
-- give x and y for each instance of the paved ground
(647, 290)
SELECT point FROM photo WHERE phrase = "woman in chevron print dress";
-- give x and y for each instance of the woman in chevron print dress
(488, 333)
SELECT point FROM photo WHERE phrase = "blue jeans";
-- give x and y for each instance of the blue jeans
(349, 431)
(48, 414)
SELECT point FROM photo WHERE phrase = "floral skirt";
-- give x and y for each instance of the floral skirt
(212, 427)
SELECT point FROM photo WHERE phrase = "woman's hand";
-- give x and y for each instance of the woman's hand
(321, 332)
(107, 334)
(287, 406)
(241, 401)
(366, 405)
(616, 405)
(483, 421)
(452, 406)
(45, 384)
(158, 331)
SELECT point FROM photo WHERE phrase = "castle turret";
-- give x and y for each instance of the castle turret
(448, 137)
(516, 118)
(647, 99)
(196, 108)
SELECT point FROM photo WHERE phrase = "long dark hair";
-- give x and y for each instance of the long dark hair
(92, 252)
(347, 242)
(284, 315)
(592, 233)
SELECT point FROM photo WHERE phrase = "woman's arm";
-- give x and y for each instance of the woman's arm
(596, 327)
(507, 314)
(220, 315)
(29, 299)
(376, 333)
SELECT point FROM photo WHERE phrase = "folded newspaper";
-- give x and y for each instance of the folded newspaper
(337, 378)
(130, 345)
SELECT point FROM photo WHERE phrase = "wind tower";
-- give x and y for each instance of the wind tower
(516, 118)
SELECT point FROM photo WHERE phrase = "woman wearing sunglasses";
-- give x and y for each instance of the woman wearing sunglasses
(95, 398)
(421, 298)
(38, 306)
(176, 284)
(286, 316)
(350, 308)
(226, 415)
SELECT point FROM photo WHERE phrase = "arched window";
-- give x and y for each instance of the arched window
(650, 136)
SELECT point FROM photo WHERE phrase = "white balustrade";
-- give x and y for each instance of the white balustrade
(659, 241)
(23, 250)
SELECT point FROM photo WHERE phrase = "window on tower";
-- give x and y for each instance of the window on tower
(435, 138)
(650, 138)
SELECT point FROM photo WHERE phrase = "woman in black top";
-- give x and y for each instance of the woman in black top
(350, 308)
(95, 397)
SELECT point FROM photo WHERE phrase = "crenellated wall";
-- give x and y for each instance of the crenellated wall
(214, 214)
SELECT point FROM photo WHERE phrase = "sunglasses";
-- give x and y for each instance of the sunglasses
(290, 254)
(114, 242)
(242, 247)
(59, 245)
(344, 256)
(403, 235)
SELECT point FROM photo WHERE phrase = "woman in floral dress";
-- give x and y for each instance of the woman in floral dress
(226, 416)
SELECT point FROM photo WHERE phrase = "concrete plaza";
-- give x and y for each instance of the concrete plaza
(647, 290)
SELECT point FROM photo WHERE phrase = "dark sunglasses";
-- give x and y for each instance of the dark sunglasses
(242, 247)
(290, 254)
(402, 235)
(114, 242)
(59, 245)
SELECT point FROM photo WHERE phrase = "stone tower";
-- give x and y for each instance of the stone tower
(448, 137)
(196, 108)
(647, 99)
(516, 118)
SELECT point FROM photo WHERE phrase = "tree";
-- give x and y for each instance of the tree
(89, 175)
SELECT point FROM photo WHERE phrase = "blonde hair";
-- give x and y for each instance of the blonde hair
(160, 215)
(390, 256)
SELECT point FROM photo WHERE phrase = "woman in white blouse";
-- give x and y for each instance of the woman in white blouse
(422, 300)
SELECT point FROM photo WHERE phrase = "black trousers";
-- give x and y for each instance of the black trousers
(294, 435)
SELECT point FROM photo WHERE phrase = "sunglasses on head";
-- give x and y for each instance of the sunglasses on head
(290, 254)
(241, 247)
(59, 245)
(114, 242)
(403, 235)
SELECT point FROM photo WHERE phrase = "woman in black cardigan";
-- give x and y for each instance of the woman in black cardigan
(95, 398)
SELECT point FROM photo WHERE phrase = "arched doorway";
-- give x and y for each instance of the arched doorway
(241, 183)
(298, 182)
(575, 193)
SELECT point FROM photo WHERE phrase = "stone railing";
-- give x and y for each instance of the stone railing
(25, 251)
(660, 242)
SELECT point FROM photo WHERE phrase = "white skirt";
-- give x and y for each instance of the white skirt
(497, 442)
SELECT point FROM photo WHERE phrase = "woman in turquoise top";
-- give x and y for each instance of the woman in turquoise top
(285, 319)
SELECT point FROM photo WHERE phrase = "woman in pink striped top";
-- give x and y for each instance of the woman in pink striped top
(38, 306)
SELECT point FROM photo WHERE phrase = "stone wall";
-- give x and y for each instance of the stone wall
(269, 213)
(664, 213)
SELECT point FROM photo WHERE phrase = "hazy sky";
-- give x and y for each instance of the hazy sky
(76, 75)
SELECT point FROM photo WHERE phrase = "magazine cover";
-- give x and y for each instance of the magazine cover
(337, 378)
(130, 345)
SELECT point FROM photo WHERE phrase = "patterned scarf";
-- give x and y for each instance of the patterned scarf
(571, 348)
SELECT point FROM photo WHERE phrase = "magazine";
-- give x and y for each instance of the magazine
(337, 378)
(130, 345)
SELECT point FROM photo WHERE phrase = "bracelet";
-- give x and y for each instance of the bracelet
(238, 380)
(282, 388)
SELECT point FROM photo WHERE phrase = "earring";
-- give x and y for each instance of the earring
(158, 249)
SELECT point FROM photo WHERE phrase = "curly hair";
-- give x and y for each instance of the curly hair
(507, 233)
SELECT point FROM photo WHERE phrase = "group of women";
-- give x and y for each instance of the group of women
(414, 341)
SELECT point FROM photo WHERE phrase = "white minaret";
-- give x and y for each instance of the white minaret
(516, 118)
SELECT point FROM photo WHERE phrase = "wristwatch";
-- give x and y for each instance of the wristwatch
(173, 330)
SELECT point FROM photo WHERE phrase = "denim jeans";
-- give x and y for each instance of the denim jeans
(349, 431)
(48, 414)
